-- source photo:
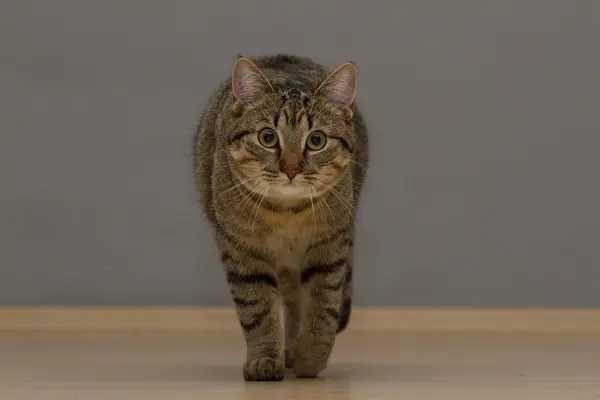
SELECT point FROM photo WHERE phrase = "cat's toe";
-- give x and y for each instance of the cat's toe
(263, 369)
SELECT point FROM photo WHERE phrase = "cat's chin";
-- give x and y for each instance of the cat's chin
(291, 192)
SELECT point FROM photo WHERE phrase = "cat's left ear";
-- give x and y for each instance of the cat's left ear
(248, 82)
(340, 86)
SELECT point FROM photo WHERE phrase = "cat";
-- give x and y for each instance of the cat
(281, 153)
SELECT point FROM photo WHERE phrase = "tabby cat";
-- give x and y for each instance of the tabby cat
(280, 157)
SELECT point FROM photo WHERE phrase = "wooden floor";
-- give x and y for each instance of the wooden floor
(366, 365)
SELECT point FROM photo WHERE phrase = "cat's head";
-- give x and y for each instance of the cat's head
(290, 144)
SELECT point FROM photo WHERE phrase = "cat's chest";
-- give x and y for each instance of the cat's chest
(289, 237)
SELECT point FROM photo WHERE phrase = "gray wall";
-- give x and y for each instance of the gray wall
(485, 181)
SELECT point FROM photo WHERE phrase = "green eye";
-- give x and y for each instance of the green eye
(268, 138)
(316, 141)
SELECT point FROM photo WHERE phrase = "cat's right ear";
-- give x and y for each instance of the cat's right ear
(248, 82)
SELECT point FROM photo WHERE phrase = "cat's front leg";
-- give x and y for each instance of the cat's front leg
(254, 291)
(323, 284)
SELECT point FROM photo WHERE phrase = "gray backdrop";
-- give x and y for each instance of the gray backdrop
(485, 125)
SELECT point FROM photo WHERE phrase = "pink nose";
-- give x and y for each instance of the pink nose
(291, 173)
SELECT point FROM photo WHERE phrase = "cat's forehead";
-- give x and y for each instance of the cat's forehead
(295, 96)
(294, 110)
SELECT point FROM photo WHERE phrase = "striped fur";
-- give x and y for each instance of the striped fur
(286, 245)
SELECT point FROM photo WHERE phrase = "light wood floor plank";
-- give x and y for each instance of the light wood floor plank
(375, 365)
(393, 319)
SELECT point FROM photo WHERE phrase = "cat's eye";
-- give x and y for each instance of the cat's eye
(316, 141)
(268, 138)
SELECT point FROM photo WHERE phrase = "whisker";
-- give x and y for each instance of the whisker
(329, 208)
(320, 203)
(335, 177)
(240, 197)
(314, 214)
(340, 197)
(233, 187)
(256, 208)
(259, 205)
(246, 198)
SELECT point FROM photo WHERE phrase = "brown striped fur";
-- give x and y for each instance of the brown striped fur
(285, 244)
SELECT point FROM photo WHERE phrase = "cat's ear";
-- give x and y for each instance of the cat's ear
(248, 82)
(340, 86)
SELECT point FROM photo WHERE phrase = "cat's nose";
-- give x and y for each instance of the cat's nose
(291, 172)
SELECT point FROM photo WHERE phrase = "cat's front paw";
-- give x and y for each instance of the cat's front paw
(263, 369)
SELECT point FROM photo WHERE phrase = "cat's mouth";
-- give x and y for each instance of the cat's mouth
(277, 187)
(297, 189)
